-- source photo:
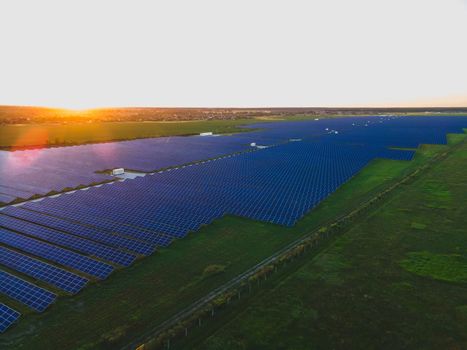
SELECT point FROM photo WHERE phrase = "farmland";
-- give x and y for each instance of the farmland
(46, 135)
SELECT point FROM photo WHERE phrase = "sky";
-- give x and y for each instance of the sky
(242, 53)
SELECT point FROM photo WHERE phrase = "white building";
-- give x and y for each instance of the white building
(118, 171)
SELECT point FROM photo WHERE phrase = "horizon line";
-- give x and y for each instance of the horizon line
(237, 107)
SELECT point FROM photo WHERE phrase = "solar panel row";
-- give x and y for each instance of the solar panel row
(154, 238)
(42, 271)
(57, 168)
(169, 202)
(55, 254)
(72, 166)
(67, 241)
(104, 237)
(27, 293)
(7, 317)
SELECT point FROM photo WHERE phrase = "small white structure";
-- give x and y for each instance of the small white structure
(316, 118)
(326, 129)
(205, 133)
(118, 171)
(253, 144)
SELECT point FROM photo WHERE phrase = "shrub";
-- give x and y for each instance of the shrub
(212, 270)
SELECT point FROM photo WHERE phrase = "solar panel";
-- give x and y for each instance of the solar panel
(7, 317)
(175, 203)
(65, 280)
(105, 237)
(71, 166)
(56, 254)
(102, 224)
(68, 241)
(27, 293)
(5, 198)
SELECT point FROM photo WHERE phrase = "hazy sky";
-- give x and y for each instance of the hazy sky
(233, 53)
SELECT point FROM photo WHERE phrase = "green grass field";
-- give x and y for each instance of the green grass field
(37, 135)
(133, 300)
(397, 279)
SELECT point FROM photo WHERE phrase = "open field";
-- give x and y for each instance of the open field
(396, 279)
(111, 312)
(46, 135)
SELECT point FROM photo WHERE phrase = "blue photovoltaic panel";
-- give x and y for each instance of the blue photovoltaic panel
(102, 224)
(72, 166)
(182, 200)
(7, 317)
(56, 254)
(68, 241)
(77, 229)
(5, 198)
(10, 191)
(42, 271)
(279, 185)
(27, 293)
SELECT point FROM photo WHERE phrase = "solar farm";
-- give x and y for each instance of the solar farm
(53, 247)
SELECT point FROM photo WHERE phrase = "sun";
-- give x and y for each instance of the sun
(76, 107)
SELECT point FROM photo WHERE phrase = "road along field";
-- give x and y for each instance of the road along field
(110, 313)
(397, 279)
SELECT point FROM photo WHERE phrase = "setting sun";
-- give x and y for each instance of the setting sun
(75, 108)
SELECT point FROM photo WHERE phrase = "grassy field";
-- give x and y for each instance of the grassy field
(396, 280)
(110, 313)
(37, 135)
(19, 136)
